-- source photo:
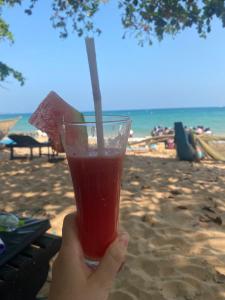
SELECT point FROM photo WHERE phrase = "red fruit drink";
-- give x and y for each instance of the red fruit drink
(96, 181)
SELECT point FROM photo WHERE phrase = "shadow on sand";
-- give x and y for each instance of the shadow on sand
(173, 211)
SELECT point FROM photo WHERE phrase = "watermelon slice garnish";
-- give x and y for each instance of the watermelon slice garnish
(49, 116)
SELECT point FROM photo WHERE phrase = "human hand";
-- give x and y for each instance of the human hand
(72, 279)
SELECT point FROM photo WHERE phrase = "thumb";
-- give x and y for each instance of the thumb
(112, 261)
(70, 240)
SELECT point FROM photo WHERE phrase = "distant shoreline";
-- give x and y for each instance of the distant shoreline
(128, 109)
(144, 120)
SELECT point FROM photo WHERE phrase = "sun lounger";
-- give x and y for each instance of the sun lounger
(184, 144)
(24, 265)
(25, 141)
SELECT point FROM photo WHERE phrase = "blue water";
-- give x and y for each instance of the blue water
(22, 125)
(144, 120)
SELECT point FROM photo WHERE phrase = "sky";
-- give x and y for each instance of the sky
(185, 71)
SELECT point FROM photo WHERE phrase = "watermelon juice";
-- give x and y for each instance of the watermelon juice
(96, 180)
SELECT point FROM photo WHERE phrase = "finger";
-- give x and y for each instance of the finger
(112, 261)
(70, 238)
(71, 250)
(68, 228)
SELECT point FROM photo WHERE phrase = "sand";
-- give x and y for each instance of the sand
(174, 212)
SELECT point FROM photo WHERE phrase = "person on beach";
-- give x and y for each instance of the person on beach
(72, 279)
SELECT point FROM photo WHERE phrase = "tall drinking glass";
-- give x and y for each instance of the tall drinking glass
(96, 177)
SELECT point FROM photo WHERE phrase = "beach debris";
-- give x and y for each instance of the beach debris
(210, 198)
(218, 220)
(203, 219)
(182, 207)
(143, 187)
(211, 215)
(219, 277)
(147, 218)
(207, 208)
(186, 178)
(207, 218)
(176, 192)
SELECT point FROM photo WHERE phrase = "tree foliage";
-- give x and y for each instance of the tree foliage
(145, 19)
(6, 34)
(6, 71)
(148, 19)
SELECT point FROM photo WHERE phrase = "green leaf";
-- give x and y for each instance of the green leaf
(6, 71)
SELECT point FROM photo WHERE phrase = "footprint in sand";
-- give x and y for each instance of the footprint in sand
(200, 273)
(150, 267)
(179, 289)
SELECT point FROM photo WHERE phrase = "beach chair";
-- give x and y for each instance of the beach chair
(184, 144)
(24, 265)
(25, 141)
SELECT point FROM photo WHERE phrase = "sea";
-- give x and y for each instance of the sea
(144, 120)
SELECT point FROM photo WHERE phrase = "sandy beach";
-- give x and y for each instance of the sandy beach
(174, 212)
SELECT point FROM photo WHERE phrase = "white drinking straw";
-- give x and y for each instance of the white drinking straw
(90, 47)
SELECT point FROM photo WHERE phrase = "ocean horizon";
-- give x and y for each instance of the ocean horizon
(143, 120)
